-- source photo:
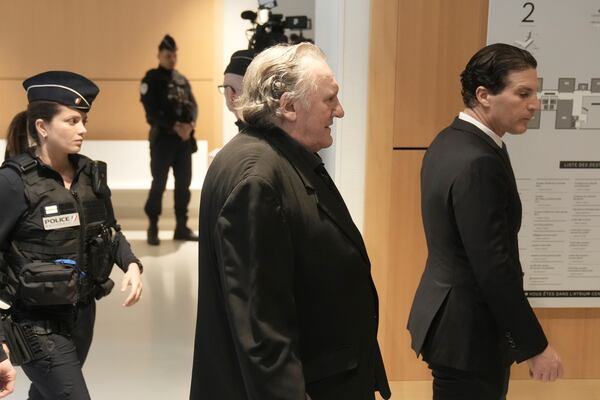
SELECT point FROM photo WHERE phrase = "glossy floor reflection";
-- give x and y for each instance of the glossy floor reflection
(145, 351)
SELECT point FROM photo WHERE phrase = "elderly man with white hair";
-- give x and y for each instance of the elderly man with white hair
(287, 309)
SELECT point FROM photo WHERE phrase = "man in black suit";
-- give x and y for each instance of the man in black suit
(287, 309)
(470, 318)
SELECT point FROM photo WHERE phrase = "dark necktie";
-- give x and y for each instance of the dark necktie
(504, 153)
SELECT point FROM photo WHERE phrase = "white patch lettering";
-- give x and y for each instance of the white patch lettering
(61, 221)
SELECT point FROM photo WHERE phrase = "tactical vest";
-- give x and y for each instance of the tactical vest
(180, 98)
(63, 232)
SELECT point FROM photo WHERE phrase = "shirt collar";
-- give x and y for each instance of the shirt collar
(467, 118)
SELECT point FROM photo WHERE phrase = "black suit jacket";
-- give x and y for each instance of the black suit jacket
(286, 304)
(469, 311)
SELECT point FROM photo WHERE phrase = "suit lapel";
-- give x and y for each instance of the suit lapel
(328, 199)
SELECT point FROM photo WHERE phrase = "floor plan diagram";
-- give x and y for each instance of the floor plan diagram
(576, 104)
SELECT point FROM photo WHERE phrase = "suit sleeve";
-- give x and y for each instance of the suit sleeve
(481, 199)
(256, 265)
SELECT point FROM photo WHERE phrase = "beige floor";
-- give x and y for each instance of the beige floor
(519, 390)
(145, 352)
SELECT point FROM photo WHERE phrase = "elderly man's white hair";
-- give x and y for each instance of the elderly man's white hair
(277, 70)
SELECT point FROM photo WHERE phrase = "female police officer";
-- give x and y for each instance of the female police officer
(58, 237)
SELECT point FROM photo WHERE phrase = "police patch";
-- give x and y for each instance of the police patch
(61, 221)
(143, 88)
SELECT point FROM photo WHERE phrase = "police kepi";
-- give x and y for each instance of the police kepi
(63, 87)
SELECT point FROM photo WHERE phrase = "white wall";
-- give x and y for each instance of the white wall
(129, 162)
(342, 31)
(234, 38)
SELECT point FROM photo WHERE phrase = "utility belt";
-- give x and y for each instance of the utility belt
(25, 339)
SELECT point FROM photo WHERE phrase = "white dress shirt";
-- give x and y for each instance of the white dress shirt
(467, 118)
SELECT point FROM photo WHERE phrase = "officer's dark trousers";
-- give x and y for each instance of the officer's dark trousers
(169, 151)
(454, 384)
(58, 376)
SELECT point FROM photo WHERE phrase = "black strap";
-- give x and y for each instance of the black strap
(50, 250)
(22, 163)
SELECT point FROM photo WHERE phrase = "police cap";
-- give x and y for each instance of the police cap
(167, 43)
(239, 62)
(63, 87)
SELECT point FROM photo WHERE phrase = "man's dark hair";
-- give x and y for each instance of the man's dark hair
(490, 66)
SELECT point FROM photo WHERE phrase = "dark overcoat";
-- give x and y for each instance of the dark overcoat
(286, 305)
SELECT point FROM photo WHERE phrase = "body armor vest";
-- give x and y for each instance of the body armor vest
(68, 227)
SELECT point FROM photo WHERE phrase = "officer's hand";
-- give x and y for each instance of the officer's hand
(184, 130)
(132, 278)
(8, 375)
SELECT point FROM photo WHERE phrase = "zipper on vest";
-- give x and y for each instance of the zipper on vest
(82, 269)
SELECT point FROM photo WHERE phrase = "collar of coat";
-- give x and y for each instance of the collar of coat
(305, 164)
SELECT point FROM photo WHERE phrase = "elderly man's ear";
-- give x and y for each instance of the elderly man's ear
(287, 107)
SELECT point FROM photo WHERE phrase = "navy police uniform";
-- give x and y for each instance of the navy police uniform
(167, 98)
(58, 246)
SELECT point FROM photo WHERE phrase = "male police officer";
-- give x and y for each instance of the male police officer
(171, 111)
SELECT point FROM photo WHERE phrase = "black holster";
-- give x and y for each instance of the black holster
(103, 289)
(23, 343)
(100, 259)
